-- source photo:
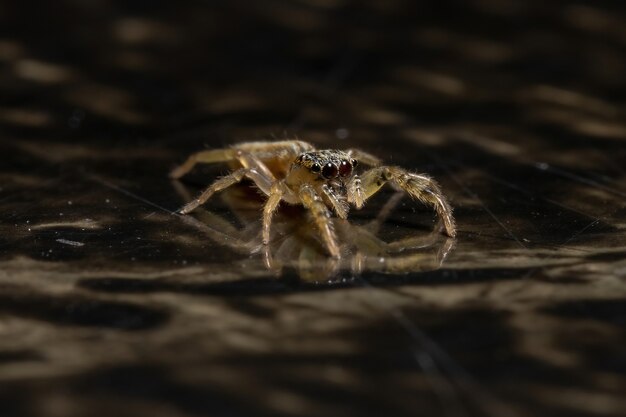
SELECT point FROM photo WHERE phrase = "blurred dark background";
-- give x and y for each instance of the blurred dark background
(112, 305)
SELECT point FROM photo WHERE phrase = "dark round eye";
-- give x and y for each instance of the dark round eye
(345, 169)
(354, 163)
(315, 168)
(329, 170)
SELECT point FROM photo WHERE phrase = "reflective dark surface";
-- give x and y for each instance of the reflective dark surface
(111, 304)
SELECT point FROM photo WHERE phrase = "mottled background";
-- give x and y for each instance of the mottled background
(112, 305)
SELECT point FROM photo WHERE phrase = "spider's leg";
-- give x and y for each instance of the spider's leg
(356, 194)
(218, 228)
(203, 157)
(339, 205)
(284, 149)
(418, 186)
(275, 195)
(321, 215)
(224, 182)
(222, 232)
(276, 155)
(250, 161)
(364, 157)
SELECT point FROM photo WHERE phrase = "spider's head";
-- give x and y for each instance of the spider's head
(327, 165)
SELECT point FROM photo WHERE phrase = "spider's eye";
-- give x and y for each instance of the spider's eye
(315, 168)
(345, 169)
(354, 163)
(329, 170)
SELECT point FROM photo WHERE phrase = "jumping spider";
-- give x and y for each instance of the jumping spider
(295, 172)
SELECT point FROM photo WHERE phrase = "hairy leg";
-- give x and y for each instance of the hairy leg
(267, 151)
(218, 228)
(275, 195)
(339, 205)
(203, 157)
(250, 161)
(364, 157)
(224, 182)
(356, 194)
(284, 149)
(321, 215)
(418, 186)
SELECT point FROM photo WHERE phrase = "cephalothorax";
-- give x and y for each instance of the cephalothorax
(295, 172)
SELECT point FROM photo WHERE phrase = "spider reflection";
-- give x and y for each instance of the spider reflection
(295, 243)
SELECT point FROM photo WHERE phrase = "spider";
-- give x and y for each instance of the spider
(296, 246)
(295, 172)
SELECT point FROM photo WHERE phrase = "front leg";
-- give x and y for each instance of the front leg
(321, 215)
(339, 204)
(418, 186)
(356, 194)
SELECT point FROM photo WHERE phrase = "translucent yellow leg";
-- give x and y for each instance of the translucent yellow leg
(419, 186)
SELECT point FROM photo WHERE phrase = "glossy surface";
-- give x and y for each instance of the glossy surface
(110, 304)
